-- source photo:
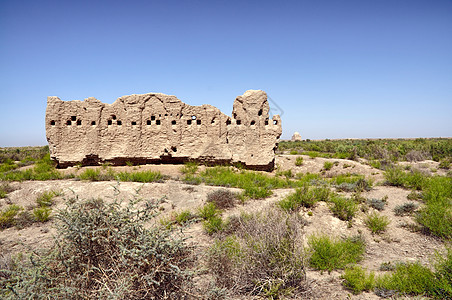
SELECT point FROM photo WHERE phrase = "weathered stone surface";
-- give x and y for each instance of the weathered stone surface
(158, 128)
(296, 137)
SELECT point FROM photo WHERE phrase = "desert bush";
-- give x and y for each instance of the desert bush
(409, 278)
(416, 155)
(90, 174)
(255, 185)
(376, 223)
(406, 208)
(343, 208)
(143, 176)
(24, 219)
(264, 256)
(42, 214)
(189, 168)
(223, 198)
(104, 251)
(212, 218)
(378, 204)
(293, 152)
(436, 215)
(44, 169)
(5, 189)
(351, 183)
(332, 253)
(304, 197)
(7, 215)
(356, 279)
(45, 199)
(299, 161)
(327, 165)
(445, 163)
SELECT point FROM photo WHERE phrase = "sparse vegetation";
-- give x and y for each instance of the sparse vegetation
(405, 209)
(263, 256)
(304, 197)
(7, 216)
(103, 251)
(222, 198)
(332, 253)
(299, 161)
(327, 165)
(343, 208)
(376, 222)
(378, 204)
(357, 280)
(212, 218)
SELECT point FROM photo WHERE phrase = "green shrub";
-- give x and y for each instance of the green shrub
(255, 185)
(305, 196)
(405, 209)
(330, 254)
(42, 214)
(293, 152)
(7, 216)
(90, 174)
(299, 161)
(46, 198)
(143, 176)
(104, 251)
(445, 163)
(189, 168)
(263, 256)
(409, 278)
(395, 176)
(5, 189)
(327, 165)
(356, 279)
(376, 223)
(436, 215)
(351, 183)
(343, 208)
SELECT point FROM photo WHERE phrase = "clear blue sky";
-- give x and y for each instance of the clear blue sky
(337, 69)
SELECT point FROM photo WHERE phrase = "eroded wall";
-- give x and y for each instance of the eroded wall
(158, 128)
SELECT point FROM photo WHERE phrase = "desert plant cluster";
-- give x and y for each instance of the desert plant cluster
(330, 221)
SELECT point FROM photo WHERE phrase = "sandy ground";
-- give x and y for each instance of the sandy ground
(397, 244)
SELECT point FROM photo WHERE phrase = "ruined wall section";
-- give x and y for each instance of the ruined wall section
(155, 128)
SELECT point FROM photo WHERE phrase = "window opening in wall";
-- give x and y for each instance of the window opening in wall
(119, 122)
(228, 122)
(73, 118)
(188, 122)
(235, 116)
(113, 117)
(166, 115)
(93, 123)
(198, 122)
(134, 123)
(160, 115)
(173, 122)
(253, 123)
(157, 122)
(174, 149)
(152, 118)
(109, 122)
(260, 112)
(79, 122)
(275, 122)
(239, 122)
(266, 122)
(148, 122)
(193, 117)
(213, 121)
(68, 122)
(52, 123)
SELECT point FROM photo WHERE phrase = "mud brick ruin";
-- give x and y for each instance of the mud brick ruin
(158, 128)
